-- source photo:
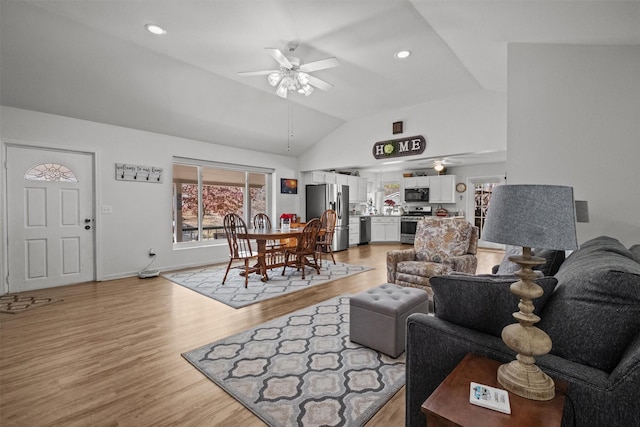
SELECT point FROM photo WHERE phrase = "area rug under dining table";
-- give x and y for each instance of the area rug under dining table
(302, 370)
(208, 282)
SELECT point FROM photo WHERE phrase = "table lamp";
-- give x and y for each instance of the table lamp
(531, 216)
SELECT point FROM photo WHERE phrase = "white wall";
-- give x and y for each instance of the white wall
(141, 216)
(574, 119)
(464, 124)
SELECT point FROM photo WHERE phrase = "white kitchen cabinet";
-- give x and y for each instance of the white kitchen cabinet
(357, 185)
(410, 182)
(317, 177)
(442, 189)
(385, 229)
(330, 178)
(353, 188)
(342, 179)
(362, 190)
(354, 230)
(357, 189)
(417, 182)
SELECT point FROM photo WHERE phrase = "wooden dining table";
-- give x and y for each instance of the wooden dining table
(262, 236)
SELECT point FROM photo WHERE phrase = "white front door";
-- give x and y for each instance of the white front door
(50, 218)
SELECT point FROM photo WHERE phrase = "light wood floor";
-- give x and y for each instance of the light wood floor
(109, 354)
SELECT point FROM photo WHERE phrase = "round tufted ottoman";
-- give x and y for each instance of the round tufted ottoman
(378, 316)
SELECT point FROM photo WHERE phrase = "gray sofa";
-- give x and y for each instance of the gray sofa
(592, 316)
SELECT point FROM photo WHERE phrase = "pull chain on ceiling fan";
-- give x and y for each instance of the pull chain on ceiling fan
(293, 75)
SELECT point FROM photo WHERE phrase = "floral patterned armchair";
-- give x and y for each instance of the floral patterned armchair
(441, 246)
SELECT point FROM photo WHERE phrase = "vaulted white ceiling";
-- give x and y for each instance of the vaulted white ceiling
(94, 60)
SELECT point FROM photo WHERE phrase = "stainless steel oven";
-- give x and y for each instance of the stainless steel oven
(409, 222)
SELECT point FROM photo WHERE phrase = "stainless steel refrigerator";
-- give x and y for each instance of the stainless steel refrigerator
(331, 196)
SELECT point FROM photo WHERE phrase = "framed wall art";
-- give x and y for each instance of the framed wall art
(288, 186)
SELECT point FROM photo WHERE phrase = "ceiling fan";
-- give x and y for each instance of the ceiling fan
(439, 163)
(293, 75)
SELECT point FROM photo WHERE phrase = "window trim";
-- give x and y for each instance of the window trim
(185, 161)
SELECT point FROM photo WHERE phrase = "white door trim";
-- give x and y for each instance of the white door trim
(471, 181)
(9, 142)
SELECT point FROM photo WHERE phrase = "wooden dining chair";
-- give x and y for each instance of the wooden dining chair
(239, 246)
(305, 251)
(261, 220)
(274, 251)
(325, 240)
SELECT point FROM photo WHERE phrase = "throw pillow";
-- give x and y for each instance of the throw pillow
(594, 312)
(506, 266)
(484, 302)
(553, 260)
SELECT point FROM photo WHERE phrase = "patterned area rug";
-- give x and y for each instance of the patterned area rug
(12, 303)
(302, 370)
(208, 282)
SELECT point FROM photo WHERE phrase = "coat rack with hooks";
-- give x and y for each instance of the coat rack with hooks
(128, 172)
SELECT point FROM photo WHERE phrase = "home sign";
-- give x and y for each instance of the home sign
(410, 146)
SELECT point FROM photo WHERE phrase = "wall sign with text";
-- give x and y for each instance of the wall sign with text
(127, 172)
(410, 146)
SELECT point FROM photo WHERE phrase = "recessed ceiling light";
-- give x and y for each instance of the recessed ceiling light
(402, 54)
(154, 29)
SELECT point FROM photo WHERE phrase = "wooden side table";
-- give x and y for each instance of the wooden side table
(449, 404)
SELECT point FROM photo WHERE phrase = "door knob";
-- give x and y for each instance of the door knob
(87, 220)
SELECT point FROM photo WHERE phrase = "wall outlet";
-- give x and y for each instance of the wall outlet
(151, 252)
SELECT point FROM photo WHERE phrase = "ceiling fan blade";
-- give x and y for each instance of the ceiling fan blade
(320, 65)
(257, 73)
(279, 56)
(320, 84)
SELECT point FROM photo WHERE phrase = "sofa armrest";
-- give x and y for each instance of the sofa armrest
(628, 365)
(434, 347)
(396, 256)
(464, 263)
(594, 398)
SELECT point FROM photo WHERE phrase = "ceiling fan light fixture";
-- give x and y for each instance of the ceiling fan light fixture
(303, 78)
(293, 75)
(438, 166)
(274, 78)
(306, 89)
(283, 88)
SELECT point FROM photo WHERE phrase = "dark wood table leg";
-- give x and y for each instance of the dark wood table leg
(262, 248)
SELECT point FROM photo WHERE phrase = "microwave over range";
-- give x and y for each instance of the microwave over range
(416, 195)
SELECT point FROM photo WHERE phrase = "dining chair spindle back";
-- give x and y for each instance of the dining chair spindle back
(325, 241)
(239, 246)
(305, 251)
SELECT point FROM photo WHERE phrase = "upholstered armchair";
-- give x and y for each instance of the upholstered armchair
(442, 246)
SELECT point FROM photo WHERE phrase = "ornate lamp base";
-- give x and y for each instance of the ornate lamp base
(522, 376)
(527, 381)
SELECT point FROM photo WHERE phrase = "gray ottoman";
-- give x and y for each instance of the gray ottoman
(378, 316)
